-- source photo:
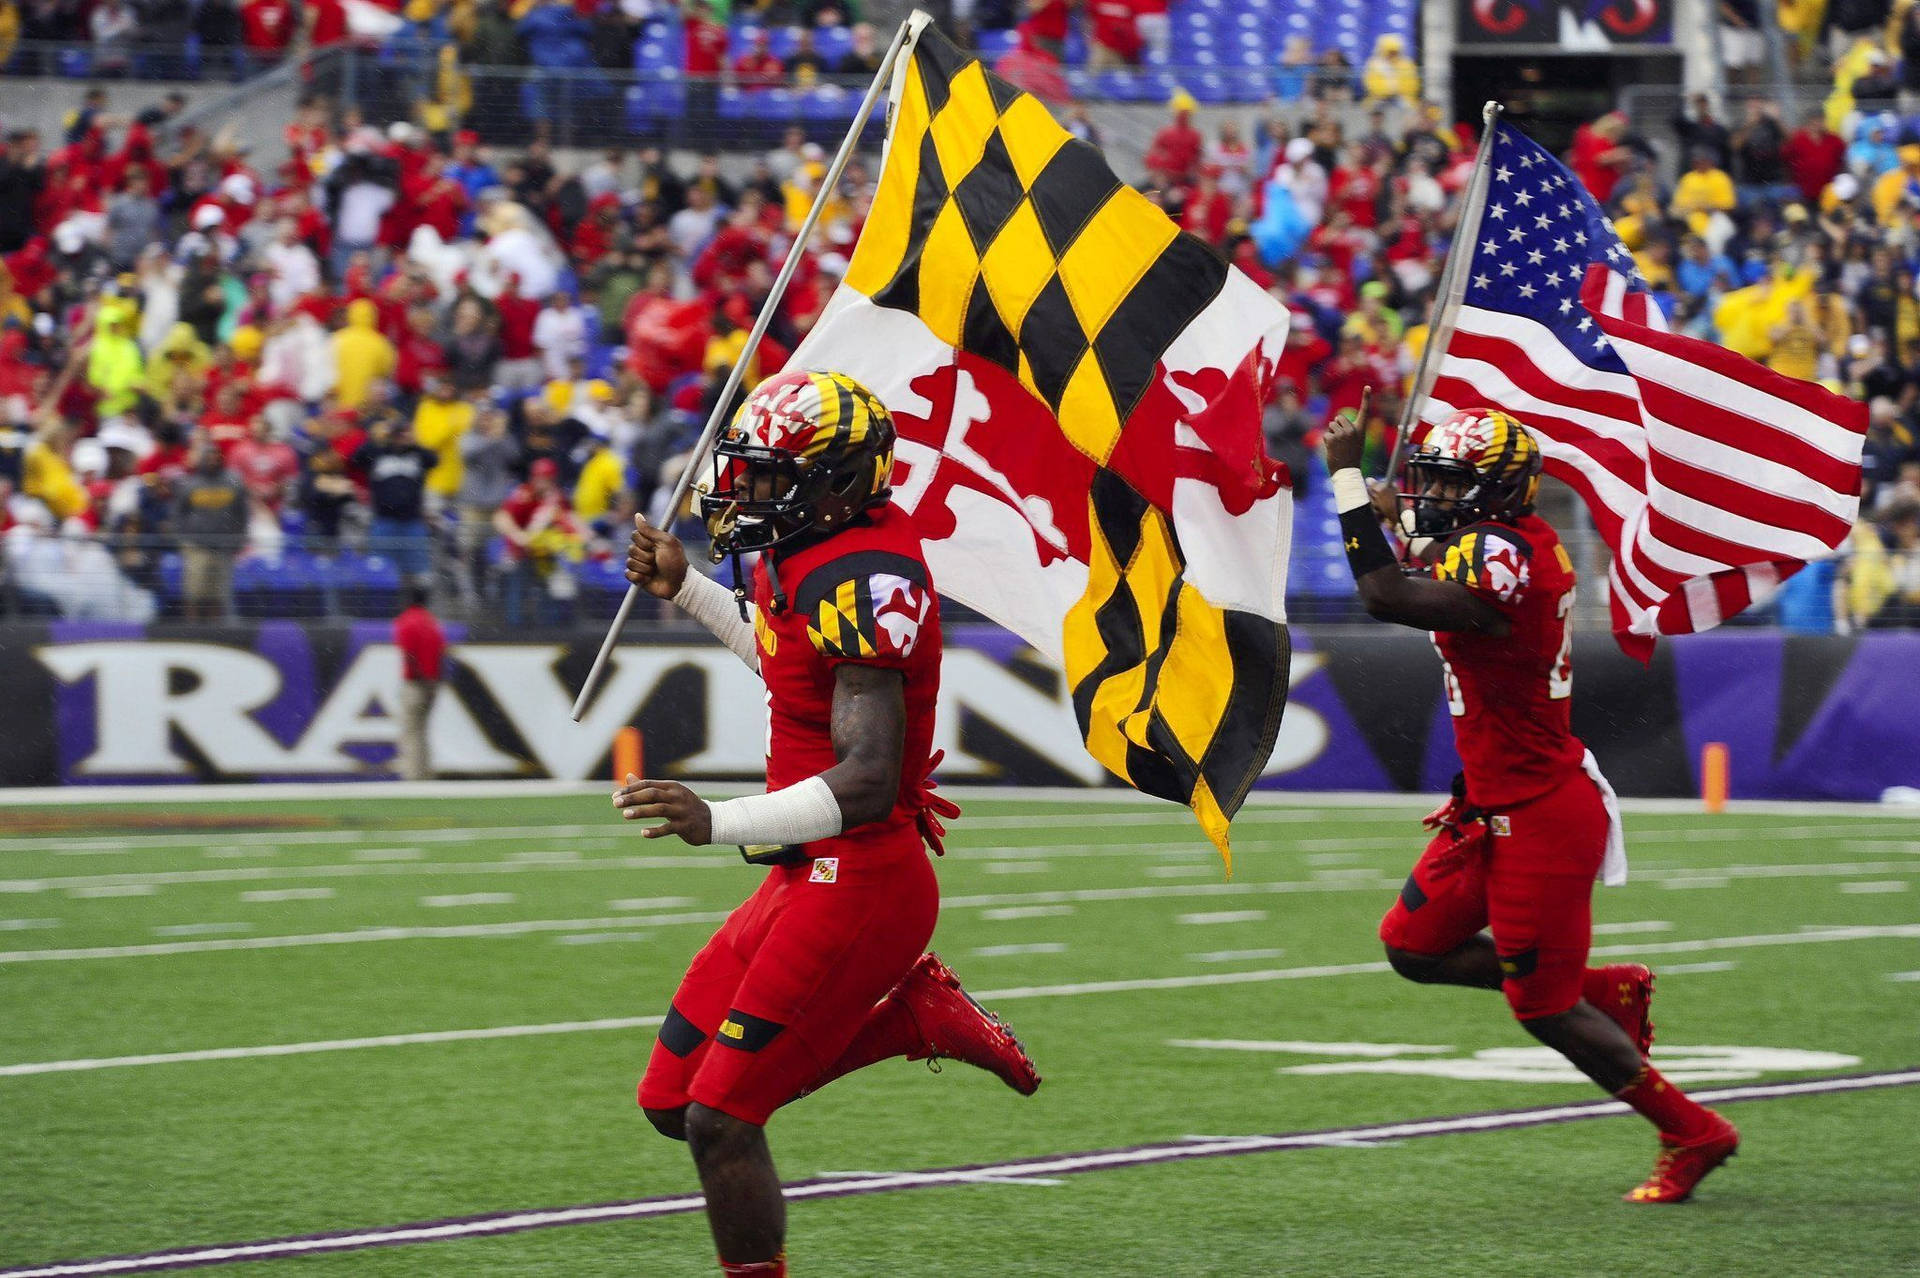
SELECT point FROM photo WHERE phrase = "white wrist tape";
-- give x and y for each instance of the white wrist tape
(1350, 490)
(798, 814)
(712, 605)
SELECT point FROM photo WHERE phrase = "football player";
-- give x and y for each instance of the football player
(1532, 822)
(821, 971)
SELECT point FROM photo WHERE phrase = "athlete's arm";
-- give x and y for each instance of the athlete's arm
(657, 563)
(1387, 592)
(869, 736)
(869, 732)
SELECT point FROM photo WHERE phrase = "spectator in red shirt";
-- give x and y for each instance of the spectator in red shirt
(423, 648)
(326, 22)
(593, 237)
(1044, 28)
(228, 422)
(1174, 156)
(1208, 208)
(706, 40)
(1598, 159)
(519, 363)
(267, 466)
(267, 28)
(757, 68)
(532, 511)
(1815, 155)
(1348, 375)
(1304, 352)
(418, 353)
(1115, 35)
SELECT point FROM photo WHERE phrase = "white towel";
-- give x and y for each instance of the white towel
(1613, 869)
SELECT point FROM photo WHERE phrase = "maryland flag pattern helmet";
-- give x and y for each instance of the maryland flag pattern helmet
(1477, 465)
(806, 453)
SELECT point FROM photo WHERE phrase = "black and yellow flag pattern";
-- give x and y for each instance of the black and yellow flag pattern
(1013, 241)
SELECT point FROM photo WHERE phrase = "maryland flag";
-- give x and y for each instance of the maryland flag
(1078, 388)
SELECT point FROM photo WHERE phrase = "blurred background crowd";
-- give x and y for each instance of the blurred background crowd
(440, 350)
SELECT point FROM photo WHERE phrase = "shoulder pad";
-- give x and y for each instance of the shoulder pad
(1492, 560)
(865, 606)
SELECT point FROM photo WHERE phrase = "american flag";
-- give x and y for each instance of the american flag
(1711, 477)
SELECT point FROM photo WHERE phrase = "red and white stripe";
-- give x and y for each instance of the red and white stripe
(1711, 478)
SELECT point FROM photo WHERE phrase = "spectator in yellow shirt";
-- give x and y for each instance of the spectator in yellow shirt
(46, 474)
(602, 480)
(439, 423)
(361, 354)
(1797, 344)
(1390, 73)
(1897, 189)
(1702, 191)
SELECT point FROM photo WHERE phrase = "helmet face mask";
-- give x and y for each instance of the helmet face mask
(806, 453)
(1475, 466)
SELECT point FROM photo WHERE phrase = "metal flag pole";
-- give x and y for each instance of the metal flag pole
(827, 185)
(1453, 288)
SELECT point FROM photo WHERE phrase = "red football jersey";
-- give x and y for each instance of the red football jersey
(1511, 697)
(862, 595)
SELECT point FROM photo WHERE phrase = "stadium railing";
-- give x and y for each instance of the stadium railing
(188, 59)
(77, 577)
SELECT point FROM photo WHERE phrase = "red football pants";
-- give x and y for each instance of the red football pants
(780, 990)
(1530, 878)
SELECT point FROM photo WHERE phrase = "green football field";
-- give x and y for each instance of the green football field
(238, 1024)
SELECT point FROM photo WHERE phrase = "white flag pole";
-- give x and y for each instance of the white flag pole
(1453, 288)
(827, 184)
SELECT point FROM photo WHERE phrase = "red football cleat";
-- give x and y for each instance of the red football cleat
(1624, 991)
(958, 1029)
(1681, 1167)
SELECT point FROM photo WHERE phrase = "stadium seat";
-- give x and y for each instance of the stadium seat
(829, 102)
(368, 585)
(833, 43)
(994, 45)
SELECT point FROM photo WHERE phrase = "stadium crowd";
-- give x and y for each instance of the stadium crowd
(408, 352)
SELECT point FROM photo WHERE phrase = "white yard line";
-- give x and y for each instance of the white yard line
(1312, 1049)
(1221, 916)
(1872, 888)
(653, 903)
(1025, 912)
(1180, 871)
(330, 1045)
(361, 936)
(1019, 867)
(27, 925)
(1903, 976)
(201, 929)
(1235, 956)
(1010, 951)
(390, 854)
(1688, 969)
(1628, 929)
(460, 901)
(288, 894)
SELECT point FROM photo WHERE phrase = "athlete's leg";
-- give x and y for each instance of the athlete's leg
(1432, 932)
(745, 1208)
(929, 1016)
(1540, 901)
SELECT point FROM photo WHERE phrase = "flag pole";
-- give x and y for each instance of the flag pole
(881, 79)
(1453, 288)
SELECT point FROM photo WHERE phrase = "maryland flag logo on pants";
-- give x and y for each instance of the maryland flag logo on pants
(1078, 387)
